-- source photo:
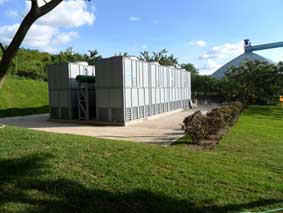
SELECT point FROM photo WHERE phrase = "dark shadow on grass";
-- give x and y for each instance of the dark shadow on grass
(15, 172)
(185, 140)
(63, 195)
(23, 111)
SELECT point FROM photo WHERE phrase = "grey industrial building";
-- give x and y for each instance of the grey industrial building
(248, 55)
(125, 89)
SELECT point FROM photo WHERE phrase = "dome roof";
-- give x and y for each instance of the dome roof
(236, 62)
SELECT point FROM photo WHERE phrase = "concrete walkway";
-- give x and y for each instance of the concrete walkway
(163, 130)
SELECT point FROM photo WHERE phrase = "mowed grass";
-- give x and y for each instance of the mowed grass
(43, 172)
(21, 96)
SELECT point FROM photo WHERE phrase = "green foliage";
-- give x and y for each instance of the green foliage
(190, 68)
(251, 82)
(122, 54)
(33, 64)
(161, 57)
(254, 82)
(30, 64)
(92, 57)
(145, 56)
(22, 96)
(44, 172)
(204, 85)
(67, 55)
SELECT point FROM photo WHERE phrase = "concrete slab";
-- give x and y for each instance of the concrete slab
(162, 130)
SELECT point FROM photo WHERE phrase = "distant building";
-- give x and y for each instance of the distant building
(249, 55)
(236, 62)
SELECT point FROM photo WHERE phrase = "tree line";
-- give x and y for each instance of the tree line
(253, 82)
(33, 63)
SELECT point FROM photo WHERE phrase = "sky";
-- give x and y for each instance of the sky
(206, 33)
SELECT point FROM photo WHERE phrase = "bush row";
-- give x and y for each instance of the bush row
(208, 127)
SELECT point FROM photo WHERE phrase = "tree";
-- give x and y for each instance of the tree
(10, 51)
(67, 55)
(92, 57)
(125, 54)
(190, 68)
(145, 56)
(204, 85)
(161, 57)
(253, 82)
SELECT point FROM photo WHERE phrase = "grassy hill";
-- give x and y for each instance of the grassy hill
(22, 96)
(42, 172)
(30, 63)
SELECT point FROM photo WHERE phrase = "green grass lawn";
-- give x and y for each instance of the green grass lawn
(41, 172)
(22, 97)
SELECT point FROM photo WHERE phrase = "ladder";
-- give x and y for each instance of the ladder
(83, 102)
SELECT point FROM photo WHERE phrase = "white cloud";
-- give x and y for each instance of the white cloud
(7, 31)
(135, 18)
(223, 51)
(39, 36)
(69, 14)
(63, 38)
(210, 67)
(2, 1)
(46, 33)
(13, 13)
(199, 43)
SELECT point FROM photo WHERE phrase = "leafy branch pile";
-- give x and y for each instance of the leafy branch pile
(211, 127)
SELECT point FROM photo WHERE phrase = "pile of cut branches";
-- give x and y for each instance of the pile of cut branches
(207, 130)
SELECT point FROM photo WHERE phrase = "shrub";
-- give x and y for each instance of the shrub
(205, 127)
(215, 121)
(193, 126)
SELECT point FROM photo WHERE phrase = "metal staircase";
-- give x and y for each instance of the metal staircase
(83, 99)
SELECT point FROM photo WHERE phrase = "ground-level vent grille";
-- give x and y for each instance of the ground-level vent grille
(65, 113)
(171, 106)
(157, 108)
(54, 113)
(75, 113)
(141, 112)
(152, 110)
(135, 113)
(128, 114)
(186, 103)
(117, 114)
(162, 107)
(166, 109)
(147, 110)
(103, 114)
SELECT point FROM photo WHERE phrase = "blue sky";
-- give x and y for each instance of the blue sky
(207, 33)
